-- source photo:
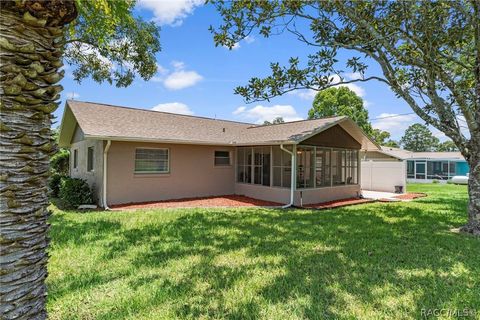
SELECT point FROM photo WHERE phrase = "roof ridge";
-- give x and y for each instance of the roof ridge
(171, 113)
(288, 122)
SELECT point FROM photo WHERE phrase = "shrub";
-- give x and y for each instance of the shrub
(75, 192)
(60, 161)
(435, 181)
(54, 184)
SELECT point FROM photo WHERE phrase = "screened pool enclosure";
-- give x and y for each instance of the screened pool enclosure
(424, 169)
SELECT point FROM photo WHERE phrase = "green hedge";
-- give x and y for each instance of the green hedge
(75, 192)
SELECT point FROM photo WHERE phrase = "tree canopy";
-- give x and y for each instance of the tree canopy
(419, 138)
(340, 101)
(447, 146)
(107, 42)
(425, 49)
(277, 120)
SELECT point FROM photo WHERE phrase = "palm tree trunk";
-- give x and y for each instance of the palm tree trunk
(30, 58)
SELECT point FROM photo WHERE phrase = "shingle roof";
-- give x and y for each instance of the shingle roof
(405, 154)
(124, 123)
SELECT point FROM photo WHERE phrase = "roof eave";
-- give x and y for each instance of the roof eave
(174, 141)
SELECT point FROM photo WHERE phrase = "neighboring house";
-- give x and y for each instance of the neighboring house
(133, 155)
(423, 166)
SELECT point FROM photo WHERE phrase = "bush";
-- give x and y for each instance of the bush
(60, 161)
(435, 181)
(75, 192)
(54, 184)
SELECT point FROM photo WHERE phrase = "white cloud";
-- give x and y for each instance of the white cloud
(394, 123)
(259, 113)
(249, 39)
(239, 110)
(178, 65)
(161, 70)
(352, 86)
(353, 75)
(170, 12)
(173, 107)
(306, 94)
(73, 95)
(181, 79)
(178, 79)
(236, 45)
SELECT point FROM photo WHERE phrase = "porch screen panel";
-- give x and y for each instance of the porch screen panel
(261, 166)
(244, 165)
(338, 167)
(282, 167)
(410, 169)
(453, 166)
(322, 167)
(351, 166)
(305, 167)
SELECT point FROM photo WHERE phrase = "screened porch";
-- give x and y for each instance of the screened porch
(316, 167)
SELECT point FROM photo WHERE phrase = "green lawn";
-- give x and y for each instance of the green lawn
(372, 261)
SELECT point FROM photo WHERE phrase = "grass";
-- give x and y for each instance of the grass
(372, 261)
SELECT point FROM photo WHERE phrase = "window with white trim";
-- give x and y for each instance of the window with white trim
(90, 160)
(152, 160)
(222, 158)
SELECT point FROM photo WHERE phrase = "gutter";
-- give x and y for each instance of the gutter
(105, 154)
(294, 171)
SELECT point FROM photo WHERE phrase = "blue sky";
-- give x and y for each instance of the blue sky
(195, 77)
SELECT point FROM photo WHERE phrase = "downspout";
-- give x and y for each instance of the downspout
(294, 167)
(105, 154)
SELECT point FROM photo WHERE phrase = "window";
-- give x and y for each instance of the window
(90, 154)
(151, 161)
(222, 158)
(75, 159)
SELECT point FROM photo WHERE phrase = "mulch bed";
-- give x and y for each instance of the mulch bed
(203, 202)
(410, 196)
(338, 203)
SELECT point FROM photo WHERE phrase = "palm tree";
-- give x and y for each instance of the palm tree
(33, 45)
(29, 70)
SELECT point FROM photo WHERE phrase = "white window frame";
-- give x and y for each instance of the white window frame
(151, 172)
(222, 165)
(93, 159)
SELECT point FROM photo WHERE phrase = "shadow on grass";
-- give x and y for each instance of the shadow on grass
(368, 254)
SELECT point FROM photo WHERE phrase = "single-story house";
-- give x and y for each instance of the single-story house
(131, 155)
(422, 166)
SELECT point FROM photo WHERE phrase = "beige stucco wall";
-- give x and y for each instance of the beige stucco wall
(309, 196)
(94, 178)
(319, 195)
(192, 174)
(275, 194)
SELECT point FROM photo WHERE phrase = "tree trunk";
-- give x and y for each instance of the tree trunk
(473, 225)
(30, 58)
